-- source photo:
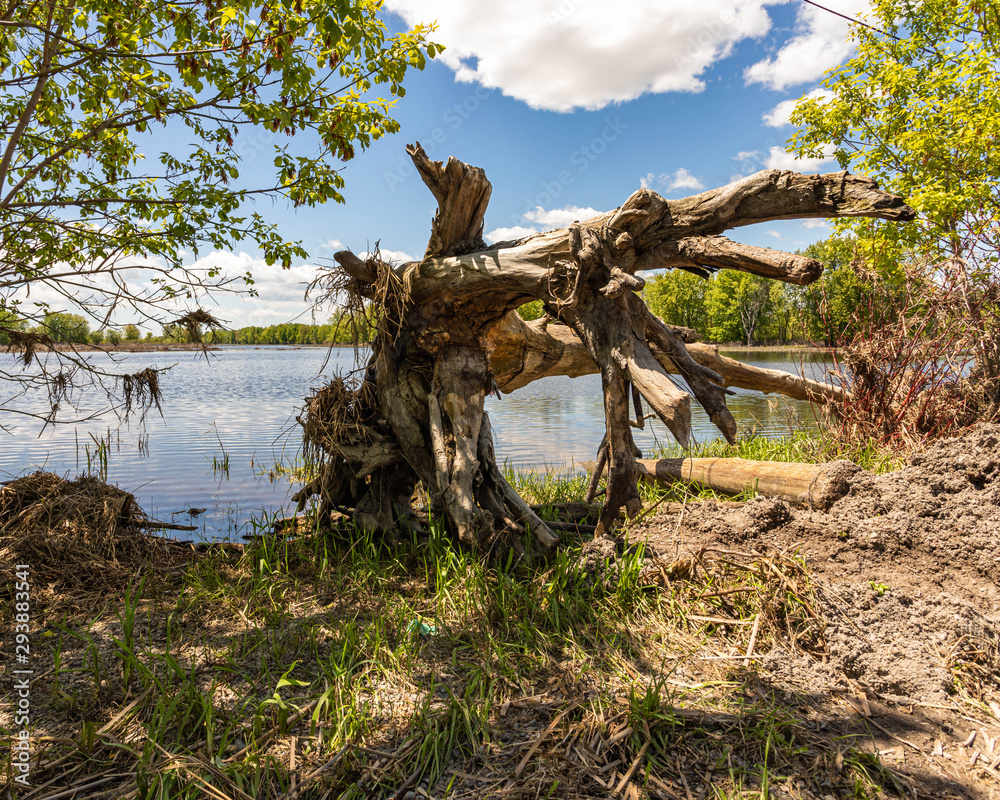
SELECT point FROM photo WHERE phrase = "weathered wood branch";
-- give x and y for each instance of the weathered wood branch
(447, 335)
(643, 234)
(462, 192)
(523, 352)
(811, 485)
(718, 252)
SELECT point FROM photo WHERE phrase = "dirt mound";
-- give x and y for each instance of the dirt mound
(907, 568)
(82, 534)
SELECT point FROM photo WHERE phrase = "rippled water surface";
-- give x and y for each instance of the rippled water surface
(241, 405)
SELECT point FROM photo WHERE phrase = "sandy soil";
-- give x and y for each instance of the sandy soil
(906, 570)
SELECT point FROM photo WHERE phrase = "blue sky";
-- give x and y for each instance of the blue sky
(569, 106)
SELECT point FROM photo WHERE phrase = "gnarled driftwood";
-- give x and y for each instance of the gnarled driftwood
(448, 334)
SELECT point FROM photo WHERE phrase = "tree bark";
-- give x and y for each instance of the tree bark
(816, 486)
(447, 334)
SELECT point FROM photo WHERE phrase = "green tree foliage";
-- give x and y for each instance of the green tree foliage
(532, 310)
(835, 300)
(62, 327)
(678, 298)
(124, 125)
(918, 107)
(9, 322)
(737, 303)
(132, 333)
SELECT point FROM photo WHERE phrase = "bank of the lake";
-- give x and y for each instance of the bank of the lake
(725, 650)
(229, 418)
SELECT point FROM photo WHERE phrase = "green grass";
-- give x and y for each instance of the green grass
(417, 663)
(810, 447)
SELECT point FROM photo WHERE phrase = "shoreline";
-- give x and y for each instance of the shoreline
(152, 347)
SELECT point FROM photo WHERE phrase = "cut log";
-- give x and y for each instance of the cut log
(816, 486)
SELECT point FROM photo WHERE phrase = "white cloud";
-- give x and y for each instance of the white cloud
(566, 54)
(683, 179)
(779, 159)
(543, 220)
(775, 234)
(333, 244)
(272, 282)
(815, 223)
(391, 256)
(669, 182)
(560, 217)
(820, 42)
(778, 117)
(508, 234)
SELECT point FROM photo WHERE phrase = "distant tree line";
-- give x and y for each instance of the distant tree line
(734, 306)
(73, 328)
(728, 307)
(339, 329)
(65, 328)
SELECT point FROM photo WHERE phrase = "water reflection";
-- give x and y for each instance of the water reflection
(556, 422)
(241, 405)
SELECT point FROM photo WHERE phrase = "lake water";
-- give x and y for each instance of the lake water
(241, 403)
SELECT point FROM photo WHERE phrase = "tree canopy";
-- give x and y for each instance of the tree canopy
(918, 108)
(120, 128)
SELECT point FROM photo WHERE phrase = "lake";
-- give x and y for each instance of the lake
(238, 408)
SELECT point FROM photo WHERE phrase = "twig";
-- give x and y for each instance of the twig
(631, 770)
(753, 636)
(291, 793)
(540, 739)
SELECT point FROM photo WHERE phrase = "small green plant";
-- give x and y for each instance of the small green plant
(879, 588)
(97, 459)
(220, 463)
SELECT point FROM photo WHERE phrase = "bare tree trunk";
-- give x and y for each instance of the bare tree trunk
(810, 485)
(447, 335)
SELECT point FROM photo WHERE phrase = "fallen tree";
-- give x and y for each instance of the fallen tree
(816, 486)
(447, 334)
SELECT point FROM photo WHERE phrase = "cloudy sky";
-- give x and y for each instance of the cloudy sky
(570, 105)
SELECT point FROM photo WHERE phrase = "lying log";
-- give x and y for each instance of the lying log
(816, 486)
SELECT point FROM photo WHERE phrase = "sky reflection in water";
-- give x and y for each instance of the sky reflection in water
(242, 404)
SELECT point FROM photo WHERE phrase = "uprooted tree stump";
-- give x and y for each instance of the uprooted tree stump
(447, 334)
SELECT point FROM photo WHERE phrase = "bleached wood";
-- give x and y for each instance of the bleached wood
(447, 335)
(523, 352)
(811, 485)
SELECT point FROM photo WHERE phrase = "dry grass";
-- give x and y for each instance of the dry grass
(76, 535)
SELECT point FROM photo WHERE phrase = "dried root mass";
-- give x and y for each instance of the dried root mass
(75, 534)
